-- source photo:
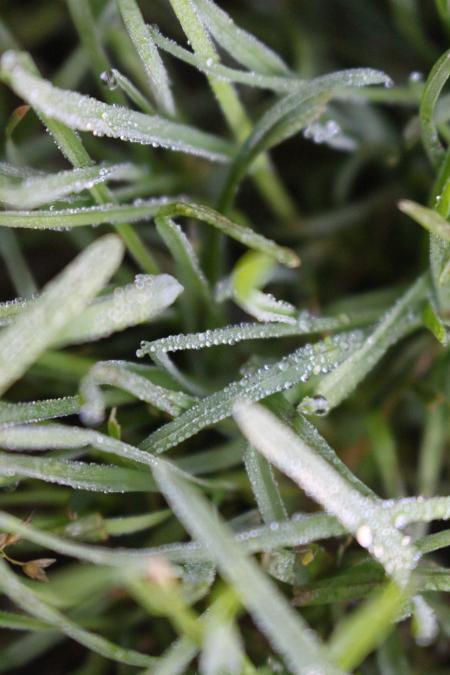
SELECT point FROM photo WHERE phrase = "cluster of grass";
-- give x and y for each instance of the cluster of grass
(274, 325)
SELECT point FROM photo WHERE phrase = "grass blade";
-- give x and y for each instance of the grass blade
(34, 330)
(147, 50)
(38, 190)
(286, 630)
(88, 114)
(360, 515)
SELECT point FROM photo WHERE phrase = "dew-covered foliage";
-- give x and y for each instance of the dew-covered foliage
(224, 329)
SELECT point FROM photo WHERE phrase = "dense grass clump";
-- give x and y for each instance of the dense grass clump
(224, 321)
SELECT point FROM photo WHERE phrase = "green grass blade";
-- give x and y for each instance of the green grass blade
(30, 603)
(162, 207)
(367, 627)
(118, 374)
(148, 52)
(402, 318)
(34, 330)
(286, 630)
(77, 475)
(433, 88)
(293, 369)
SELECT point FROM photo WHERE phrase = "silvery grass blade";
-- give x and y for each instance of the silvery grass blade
(309, 434)
(285, 629)
(175, 659)
(300, 530)
(35, 411)
(360, 633)
(145, 210)
(156, 73)
(119, 374)
(289, 115)
(62, 300)
(360, 515)
(30, 603)
(305, 324)
(425, 622)
(77, 475)
(402, 318)
(127, 306)
(242, 46)
(292, 369)
(85, 113)
(35, 191)
(62, 437)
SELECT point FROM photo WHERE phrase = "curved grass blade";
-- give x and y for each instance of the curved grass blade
(27, 600)
(88, 114)
(35, 191)
(292, 369)
(359, 515)
(401, 319)
(77, 475)
(62, 300)
(433, 88)
(114, 214)
(431, 220)
(290, 114)
(282, 626)
(119, 374)
(147, 50)
(282, 84)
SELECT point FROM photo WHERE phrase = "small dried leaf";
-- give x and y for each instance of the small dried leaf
(35, 569)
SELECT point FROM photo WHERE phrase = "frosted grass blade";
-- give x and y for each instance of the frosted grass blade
(27, 600)
(282, 626)
(62, 300)
(360, 515)
(144, 210)
(401, 319)
(35, 411)
(129, 305)
(77, 475)
(304, 324)
(242, 46)
(148, 52)
(119, 374)
(88, 114)
(292, 369)
(38, 190)
(115, 77)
